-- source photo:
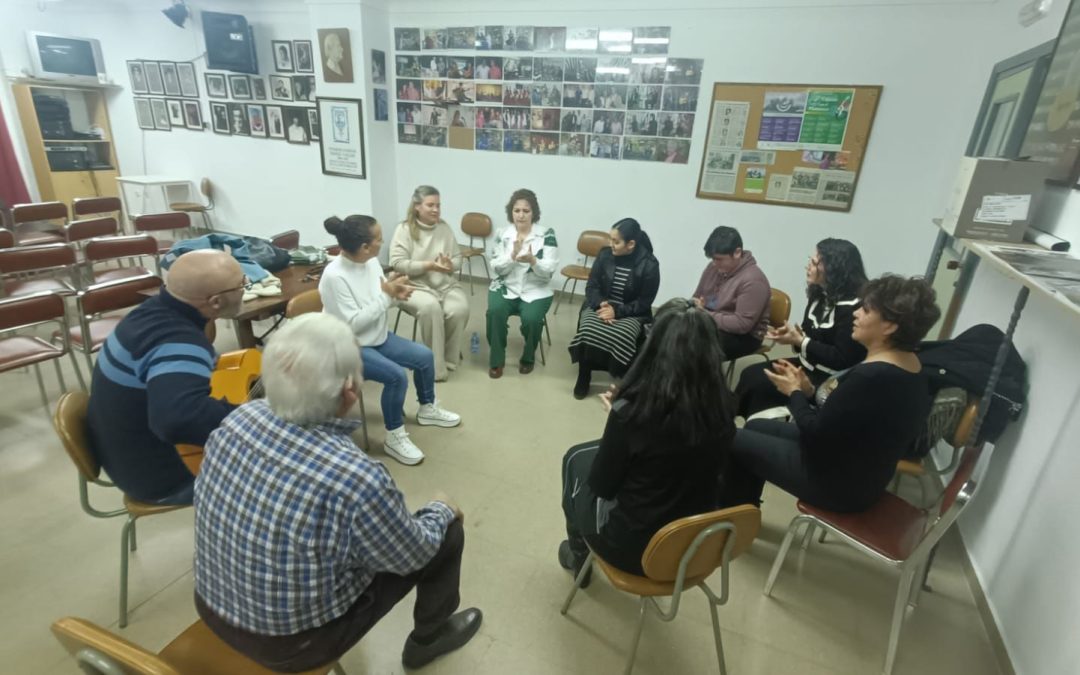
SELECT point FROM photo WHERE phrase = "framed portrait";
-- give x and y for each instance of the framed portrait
(193, 115)
(297, 126)
(137, 77)
(303, 56)
(378, 66)
(461, 37)
(240, 86)
(303, 87)
(176, 112)
(189, 84)
(342, 146)
(434, 38)
(215, 85)
(283, 56)
(170, 78)
(488, 38)
(258, 88)
(280, 88)
(275, 122)
(335, 54)
(154, 85)
(238, 119)
(407, 39)
(382, 106)
(256, 115)
(219, 118)
(143, 113)
(161, 114)
(313, 124)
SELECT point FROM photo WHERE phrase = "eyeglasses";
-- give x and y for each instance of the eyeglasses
(244, 283)
(813, 262)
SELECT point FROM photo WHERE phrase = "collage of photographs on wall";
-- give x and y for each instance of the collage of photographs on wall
(241, 116)
(629, 100)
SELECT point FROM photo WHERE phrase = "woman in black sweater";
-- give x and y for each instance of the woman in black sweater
(841, 453)
(618, 303)
(661, 450)
(834, 275)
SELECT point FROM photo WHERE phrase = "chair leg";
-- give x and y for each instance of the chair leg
(543, 358)
(577, 583)
(338, 670)
(907, 577)
(78, 371)
(397, 321)
(59, 375)
(637, 636)
(548, 331)
(562, 292)
(781, 554)
(125, 536)
(717, 638)
(206, 221)
(134, 544)
(807, 536)
(472, 291)
(41, 388)
(89, 364)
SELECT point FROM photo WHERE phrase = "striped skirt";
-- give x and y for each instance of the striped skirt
(618, 342)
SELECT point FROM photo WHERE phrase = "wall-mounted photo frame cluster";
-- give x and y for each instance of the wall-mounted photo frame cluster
(293, 124)
(293, 56)
(167, 95)
(166, 114)
(628, 100)
(294, 88)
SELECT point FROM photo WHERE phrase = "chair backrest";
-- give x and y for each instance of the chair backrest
(84, 206)
(33, 258)
(110, 248)
(779, 308)
(29, 213)
(174, 220)
(69, 420)
(961, 479)
(7, 238)
(288, 240)
(110, 296)
(476, 224)
(78, 230)
(207, 188)
(308, 301)
(661, 558)
(961, 433)
(333, 250)
(89, 642)
(31, 309)
(591, 242)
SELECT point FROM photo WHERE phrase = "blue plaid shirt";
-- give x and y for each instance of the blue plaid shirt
(292, 523)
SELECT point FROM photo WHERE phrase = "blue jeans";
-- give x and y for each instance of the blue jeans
(386, 364)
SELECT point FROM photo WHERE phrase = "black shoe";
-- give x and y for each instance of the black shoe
(581, 387)
(570, 562)
(454, 633)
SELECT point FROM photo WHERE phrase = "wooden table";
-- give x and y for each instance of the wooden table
(292, 284)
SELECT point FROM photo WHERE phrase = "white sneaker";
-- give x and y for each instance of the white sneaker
(432, 414)
(398, 446)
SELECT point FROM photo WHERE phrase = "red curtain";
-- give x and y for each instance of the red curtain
(12, 187)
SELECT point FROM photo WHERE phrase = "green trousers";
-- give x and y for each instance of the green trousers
(532, 314)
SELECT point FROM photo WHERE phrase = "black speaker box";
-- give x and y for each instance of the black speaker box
(230, 43)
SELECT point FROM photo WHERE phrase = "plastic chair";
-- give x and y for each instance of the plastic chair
(29, 215)
(69, 420)
(589, 244)
(158, 222)
(893, 532)
(288, 240)
(309, 301)
(196, 651)
(195, 207)
(20, 351)
(477, 226)
(779, 313)
(107, 249)
(95, 301)
(19, 263)
(682, 555)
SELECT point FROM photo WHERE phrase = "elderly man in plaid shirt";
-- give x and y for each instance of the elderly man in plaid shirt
(302, 541)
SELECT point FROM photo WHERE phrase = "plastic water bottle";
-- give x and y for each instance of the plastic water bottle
(474, 343)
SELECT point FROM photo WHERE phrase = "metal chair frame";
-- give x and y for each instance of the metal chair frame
(64, 327)
(573, 288)
(207, 190)
(70, 269)
(88, 349)
(135, 261)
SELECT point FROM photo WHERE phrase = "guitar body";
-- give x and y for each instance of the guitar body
(231, 380)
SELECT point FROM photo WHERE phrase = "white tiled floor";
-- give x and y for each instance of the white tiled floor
(828, 615)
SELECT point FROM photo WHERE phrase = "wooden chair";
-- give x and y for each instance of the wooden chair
(196, 651)
(107, 249)
(21, 266)
(69, 420)
(288, 240)
(40, 223)
(589, 244)
(309, 301)
(477, 226)
(93, 304)
(20, 351)
(207, 189)
(892, 532)
(779, 313)
(159, 222)
(682, 555)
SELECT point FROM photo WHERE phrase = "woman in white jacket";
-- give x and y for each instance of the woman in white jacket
(526, 257)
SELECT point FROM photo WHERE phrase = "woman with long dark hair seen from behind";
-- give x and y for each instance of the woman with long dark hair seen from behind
(823, 343)
(618, 303)
(662, 447)
(354, 289)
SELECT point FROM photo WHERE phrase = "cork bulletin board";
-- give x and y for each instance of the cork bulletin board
(788, 144)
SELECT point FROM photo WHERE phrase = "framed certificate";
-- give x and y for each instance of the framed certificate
(341, 141)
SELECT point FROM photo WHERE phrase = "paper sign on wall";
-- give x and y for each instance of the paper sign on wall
(1003, 208)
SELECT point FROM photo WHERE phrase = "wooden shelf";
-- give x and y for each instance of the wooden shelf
(983, 249)
(72, 140)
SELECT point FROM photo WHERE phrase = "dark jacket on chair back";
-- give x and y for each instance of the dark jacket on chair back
(640, 289)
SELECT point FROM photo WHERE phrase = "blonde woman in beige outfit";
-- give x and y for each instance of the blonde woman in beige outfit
(425, 249)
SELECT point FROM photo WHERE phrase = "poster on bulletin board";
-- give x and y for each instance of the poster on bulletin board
(787, 144)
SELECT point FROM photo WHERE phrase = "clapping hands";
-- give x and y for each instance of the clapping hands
(786, 335)
(397, 286)
(789, 378)
(441, 263)
(526, 257)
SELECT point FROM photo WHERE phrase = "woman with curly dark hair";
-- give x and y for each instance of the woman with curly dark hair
(841, 451)
(823, 343)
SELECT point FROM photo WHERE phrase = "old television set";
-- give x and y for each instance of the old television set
(230, 43)
(64, 58)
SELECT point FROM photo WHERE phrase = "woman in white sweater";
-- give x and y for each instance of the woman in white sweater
(424, 248)
(354, 289)
(525, 259)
